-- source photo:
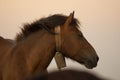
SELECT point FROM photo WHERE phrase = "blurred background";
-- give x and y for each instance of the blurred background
(100, 24)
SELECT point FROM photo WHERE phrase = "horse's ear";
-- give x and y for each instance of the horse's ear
(69, 19)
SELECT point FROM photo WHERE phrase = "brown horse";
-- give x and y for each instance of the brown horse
(36, 46)
(68, 75)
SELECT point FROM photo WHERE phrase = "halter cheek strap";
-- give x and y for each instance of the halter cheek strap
(59, 58)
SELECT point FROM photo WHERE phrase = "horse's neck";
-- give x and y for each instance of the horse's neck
(41, 52)
(34, 53)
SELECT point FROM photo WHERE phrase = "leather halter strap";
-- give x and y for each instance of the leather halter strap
(59, 58)
(58, 38)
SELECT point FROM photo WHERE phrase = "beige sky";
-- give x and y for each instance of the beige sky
(100, 21)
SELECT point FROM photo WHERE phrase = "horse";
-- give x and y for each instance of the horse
(35, 46)
(69, 74)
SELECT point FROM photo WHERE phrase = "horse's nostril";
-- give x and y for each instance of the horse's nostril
(97, 58)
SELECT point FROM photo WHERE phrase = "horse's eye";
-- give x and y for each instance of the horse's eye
(80, 35)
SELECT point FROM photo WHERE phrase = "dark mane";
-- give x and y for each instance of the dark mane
(44, 23)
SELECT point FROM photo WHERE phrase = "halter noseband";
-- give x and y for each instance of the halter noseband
(59, 58)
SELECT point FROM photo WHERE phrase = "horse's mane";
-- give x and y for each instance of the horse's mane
(47, 23)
